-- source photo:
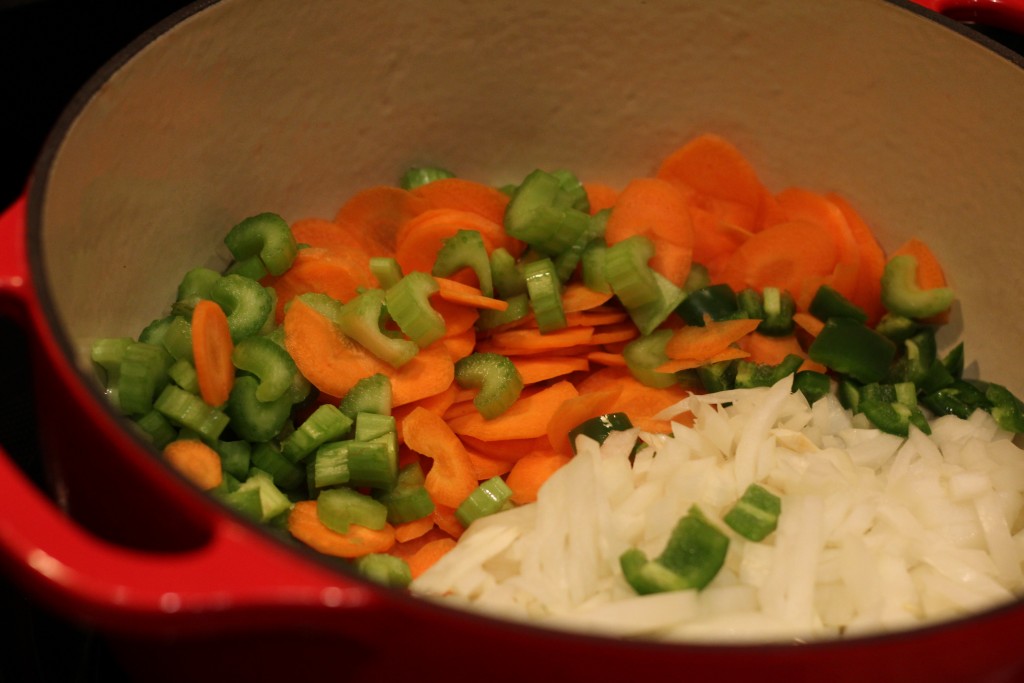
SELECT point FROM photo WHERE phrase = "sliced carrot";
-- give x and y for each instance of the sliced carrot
(637, 400)
(211, 349)
(693, 341)
(595, 317)
(575, 411)
(509, 449)
(527, 417)
(195, 461)
(457, 317)
(713, 239)
(533, 369)
(799, 204)
(771, 350)
(305, 525)
(785, 255)
(462, 194)
(425, 558)
(421, 237)
(578, 297)
(407, 531)
(445, 519)
(808, 323)
(334, 363)
(529, 473)
(485, 467)
(680, 364)
(657, 210)
(867, 292)
(600, 195)
(450, 478)
(374, 215)
(339, 274)
(460, 293)
(712, 165)
(607, 358)
(460, 345)
(437, 404)
(533, 339)
(611, 334)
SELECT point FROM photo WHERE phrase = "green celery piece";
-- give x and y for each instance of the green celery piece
(593, 260)
(340, 507)
(142, 375)
(370, 394)
(408, 304)
(265, 237)
(901, 294)
(489, 497)
(269, 362)
(465, 249)
(545, 293)
(273, 501)
(631, 279)
(518, 308)
(508, 279)
(542, 212)
(246, 303)
(408, 500)
(360, 319)
(251, 418)
(416, 176)
(384, 569)
(386, 270)
(195, 285)
(326, 423)
(189, 411)
(647, 352)
(648, 317)
(286, 475)
(496, 377)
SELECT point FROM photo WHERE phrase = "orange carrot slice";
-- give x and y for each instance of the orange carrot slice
(575, 411)
(529, 473)
(408, 531)
(867, 291)
(339, 274)
(607, 358)
(785, 255)
(305, 525)
(713, 166)
(808, 323)
(600, 195)
(533, 339)
(680, 364)
(467, 295)
(533, 369)
(334, 363)
(425, 558)
(657, 210)
(445, 519)
(421, 237)
(527, 417)
(773, 350)
(375, 214)
(578, 297)
(697, 342)
(637, 400)
(195, 461)
(450, 478)
(462, 194)
(211, 349)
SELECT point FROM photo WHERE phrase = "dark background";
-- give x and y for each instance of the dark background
(48, 50)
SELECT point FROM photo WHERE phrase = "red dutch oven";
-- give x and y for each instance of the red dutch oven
(239, 106)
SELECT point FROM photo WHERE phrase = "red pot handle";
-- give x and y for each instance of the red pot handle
(237, 579)
(1003, 14)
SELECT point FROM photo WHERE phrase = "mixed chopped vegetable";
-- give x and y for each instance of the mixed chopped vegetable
(375, 383)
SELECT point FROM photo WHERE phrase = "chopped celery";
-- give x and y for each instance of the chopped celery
(627, 271)
(369, 395)
(272, 501)
(408, 500)
(592, 267)
(267, 361)
(360, 319)
(188, 410)
(408, 304)
(184, 375)
(370, 426)
(646, 353)
(157, 427)
(901, 294)
(338, 508)
(649, 316)
(518, 308)
(489, 497)
(245, 302)
(416, 176)
(265, 237)
(251, 418)
(545, 293)
(384, 569)
(507, 278)
(496, 377)
(544, 213)
(143, 373)
(283, 471)
(386, 270)
(326, 423)
(195, 285)
(465, 249)
(235, 457)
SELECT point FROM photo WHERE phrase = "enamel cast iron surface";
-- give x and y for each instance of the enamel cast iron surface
(256, 105)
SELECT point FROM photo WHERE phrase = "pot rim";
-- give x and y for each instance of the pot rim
(36, 194)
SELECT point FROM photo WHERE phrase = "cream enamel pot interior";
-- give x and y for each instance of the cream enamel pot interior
(241, 106)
